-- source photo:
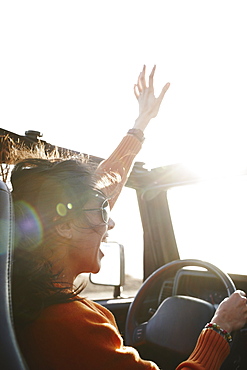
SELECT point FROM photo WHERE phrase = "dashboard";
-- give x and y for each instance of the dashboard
(199, 284)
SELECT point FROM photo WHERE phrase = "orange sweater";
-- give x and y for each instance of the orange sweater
(118, 166)
(84, 335)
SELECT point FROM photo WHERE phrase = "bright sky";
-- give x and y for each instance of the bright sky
(68, 70)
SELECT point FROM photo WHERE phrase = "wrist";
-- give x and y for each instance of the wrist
(137, 133)
(221, 322)
(141, 122)
(224, 333)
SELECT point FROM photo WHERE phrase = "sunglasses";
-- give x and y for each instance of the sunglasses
(104, 209)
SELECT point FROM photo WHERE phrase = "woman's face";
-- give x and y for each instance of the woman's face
(87, 233)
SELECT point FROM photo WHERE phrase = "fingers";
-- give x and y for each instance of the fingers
(164, 90)
(232, 312)
(151, 78)
(142, 78)
(141, 84)
(136, 91)
(241, 293)
(238, 299)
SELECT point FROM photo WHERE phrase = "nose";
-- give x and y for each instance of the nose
(111, 224)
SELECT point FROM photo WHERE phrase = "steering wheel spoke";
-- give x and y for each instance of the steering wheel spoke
(139, 335)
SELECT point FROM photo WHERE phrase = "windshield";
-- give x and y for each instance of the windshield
(210, 222)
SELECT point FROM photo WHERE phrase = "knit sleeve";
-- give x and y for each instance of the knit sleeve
(114, 171)
(210, 352)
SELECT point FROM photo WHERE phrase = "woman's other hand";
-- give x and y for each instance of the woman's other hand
(148, 104)
(232, 312)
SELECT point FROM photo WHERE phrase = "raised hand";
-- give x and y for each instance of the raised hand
(148, 104)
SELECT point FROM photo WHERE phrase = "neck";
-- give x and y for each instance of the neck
(61, 265)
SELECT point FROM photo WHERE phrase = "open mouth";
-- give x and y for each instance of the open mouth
(101, 254)
(104, 239)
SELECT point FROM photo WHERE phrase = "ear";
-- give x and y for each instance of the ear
(64, 230)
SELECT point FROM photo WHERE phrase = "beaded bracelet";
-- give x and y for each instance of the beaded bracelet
(218, 329)
(137, 133)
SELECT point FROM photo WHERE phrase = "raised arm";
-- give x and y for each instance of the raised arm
(118, 165)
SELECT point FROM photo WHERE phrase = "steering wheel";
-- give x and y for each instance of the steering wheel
(178, 321)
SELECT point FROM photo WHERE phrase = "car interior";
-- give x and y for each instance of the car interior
(175, 290)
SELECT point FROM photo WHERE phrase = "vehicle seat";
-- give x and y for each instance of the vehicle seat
(10, 356)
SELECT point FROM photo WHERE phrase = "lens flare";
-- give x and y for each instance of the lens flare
(62, 209)
(28, 225)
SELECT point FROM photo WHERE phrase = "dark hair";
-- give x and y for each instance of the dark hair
(44, 193)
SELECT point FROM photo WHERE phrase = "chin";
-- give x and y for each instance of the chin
(96, 267)
(95, 270)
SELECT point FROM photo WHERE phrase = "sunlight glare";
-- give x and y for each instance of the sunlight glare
(213, 165)
(209, 221)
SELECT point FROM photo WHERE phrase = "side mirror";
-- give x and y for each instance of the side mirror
(112, 270)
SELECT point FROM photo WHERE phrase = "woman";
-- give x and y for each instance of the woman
(62, 216)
